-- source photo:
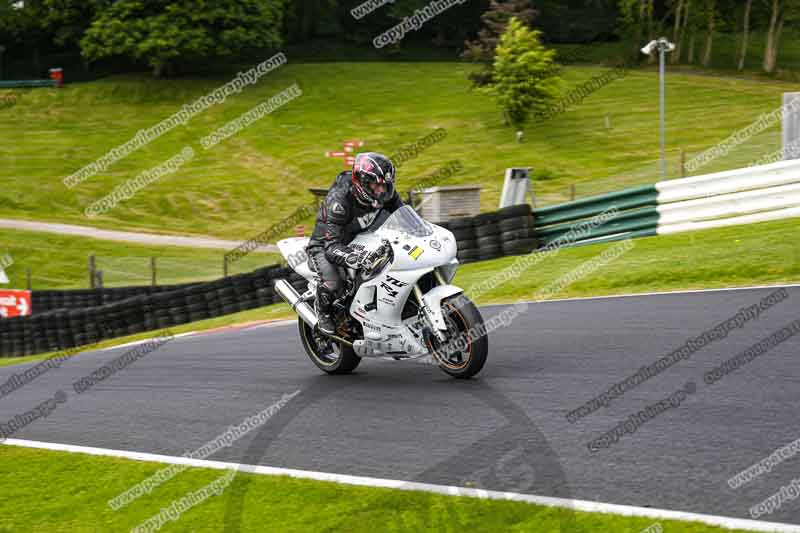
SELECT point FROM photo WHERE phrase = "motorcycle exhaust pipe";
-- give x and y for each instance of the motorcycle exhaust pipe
(291, 297)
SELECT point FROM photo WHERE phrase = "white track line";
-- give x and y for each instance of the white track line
(634, 294)
(143, 341)
(576, 505)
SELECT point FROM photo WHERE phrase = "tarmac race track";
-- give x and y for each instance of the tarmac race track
(505, 430)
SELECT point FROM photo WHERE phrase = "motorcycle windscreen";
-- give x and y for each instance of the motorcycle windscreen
(408, 221)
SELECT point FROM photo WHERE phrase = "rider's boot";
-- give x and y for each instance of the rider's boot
(324, 307)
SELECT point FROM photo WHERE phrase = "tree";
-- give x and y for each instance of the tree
(525, 79)
(745, 35)
(162, 34)
(495, 21)
(711, 18)
(636, 26)
(22, 24)
(308, 19)
(682, 20)
(782, 11)
(68, 20)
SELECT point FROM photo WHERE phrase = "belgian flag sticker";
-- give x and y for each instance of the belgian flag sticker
(415, 252)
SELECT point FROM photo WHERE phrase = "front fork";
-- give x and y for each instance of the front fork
(431, 305)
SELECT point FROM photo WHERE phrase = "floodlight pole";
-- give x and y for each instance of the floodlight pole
(662, 53)
(663, 46)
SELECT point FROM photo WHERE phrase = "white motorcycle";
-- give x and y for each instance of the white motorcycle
(402, 306)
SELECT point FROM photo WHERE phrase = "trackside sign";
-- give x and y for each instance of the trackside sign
(15, 303)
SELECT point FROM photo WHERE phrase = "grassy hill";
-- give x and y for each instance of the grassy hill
(262, 174)
(61, 261)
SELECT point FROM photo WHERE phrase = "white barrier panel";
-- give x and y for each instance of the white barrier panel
(741, 203)
(732, 221)
(731, 181)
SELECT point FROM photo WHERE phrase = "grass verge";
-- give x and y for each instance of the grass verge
(261, 175)
(71, 493)
(767, 253)
(61, 261)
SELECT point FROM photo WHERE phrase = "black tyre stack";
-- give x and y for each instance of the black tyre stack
(515, 226)
(263, 281)
(487, 236)
(463, 230)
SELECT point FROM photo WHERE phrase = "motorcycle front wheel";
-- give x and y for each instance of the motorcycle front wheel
(467, 347)
(329, 355)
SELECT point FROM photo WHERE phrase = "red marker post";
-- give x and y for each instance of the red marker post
(57, 75)
(349, 147)
(15, 303)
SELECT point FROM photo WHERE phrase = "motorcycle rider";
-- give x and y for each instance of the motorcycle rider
(352, 204)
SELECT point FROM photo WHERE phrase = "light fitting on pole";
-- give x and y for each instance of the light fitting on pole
(660, 45)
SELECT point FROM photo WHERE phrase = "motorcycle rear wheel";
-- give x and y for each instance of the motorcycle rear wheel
(329, 355)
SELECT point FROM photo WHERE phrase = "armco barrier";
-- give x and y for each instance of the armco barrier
(742, 196)
(19, 84)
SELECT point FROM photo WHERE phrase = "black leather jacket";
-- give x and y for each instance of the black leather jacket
(342, 217)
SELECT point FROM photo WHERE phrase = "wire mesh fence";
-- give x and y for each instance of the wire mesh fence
(757, 149)
(165, 270)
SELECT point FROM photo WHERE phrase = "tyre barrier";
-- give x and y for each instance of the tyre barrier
(69, 319)
(50, 300)
(65, 328)
(509, 231)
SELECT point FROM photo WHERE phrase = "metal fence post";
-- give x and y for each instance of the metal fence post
(790, 127)
(92, 271)
(683, 163)
(153, 271)
(225, 266)
(99, 274)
